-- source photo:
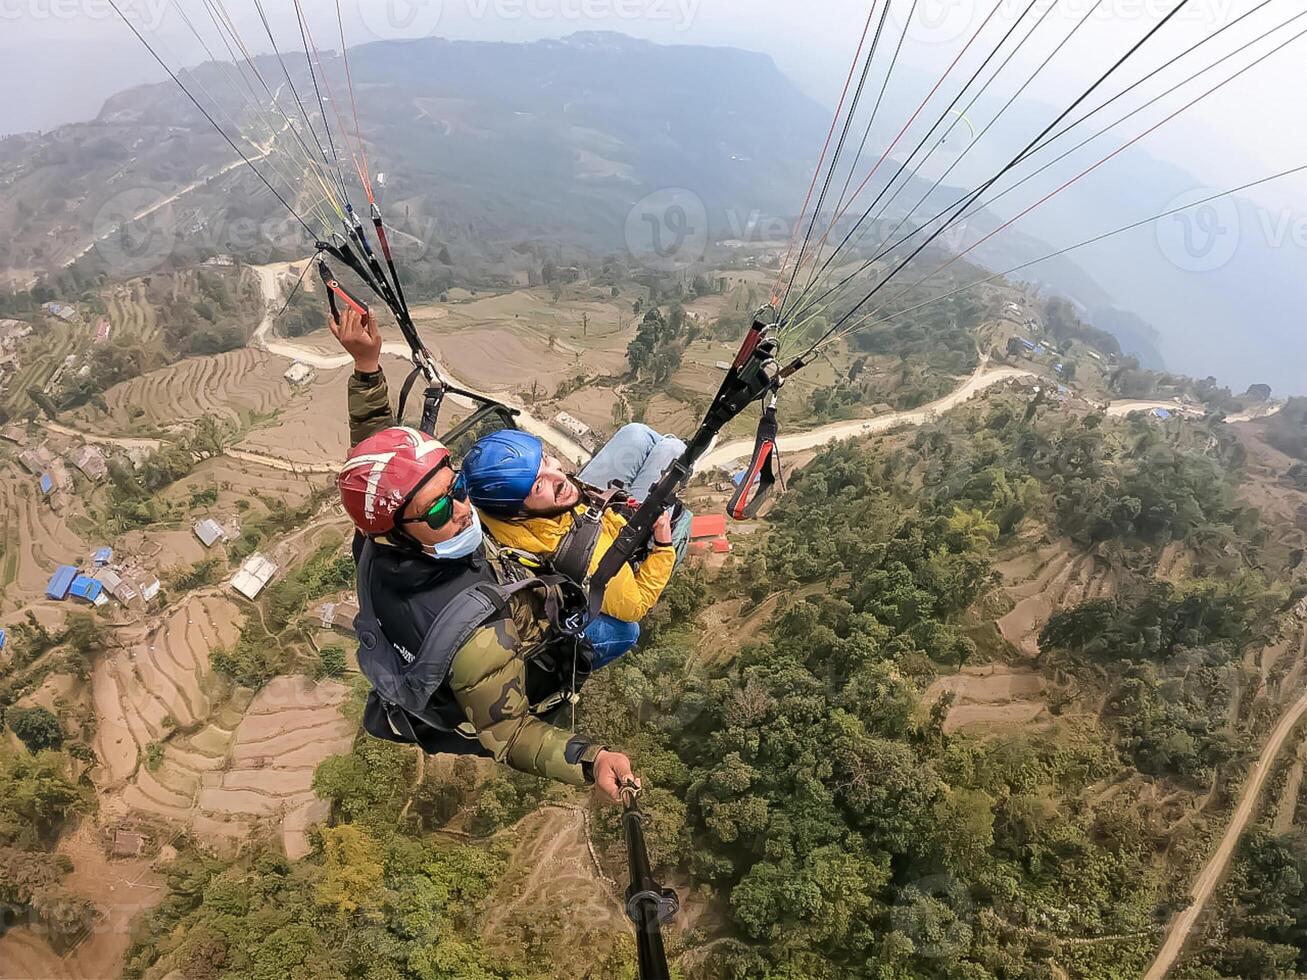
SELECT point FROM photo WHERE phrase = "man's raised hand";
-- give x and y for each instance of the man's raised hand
(361, 338)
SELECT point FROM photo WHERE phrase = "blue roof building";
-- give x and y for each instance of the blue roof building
(102, 556)
(1161, 413)
(60, 582)
(86, 588)
(47, 483)
(3, 638)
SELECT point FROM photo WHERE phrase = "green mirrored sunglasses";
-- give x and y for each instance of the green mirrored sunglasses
(441, 511)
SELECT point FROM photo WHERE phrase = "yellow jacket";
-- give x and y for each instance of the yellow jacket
(630, 595)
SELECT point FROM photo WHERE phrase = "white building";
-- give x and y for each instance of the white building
(299, 374)
(254, 575)
(572, 425)
(91, 461)
(115, 584)
(209, 532)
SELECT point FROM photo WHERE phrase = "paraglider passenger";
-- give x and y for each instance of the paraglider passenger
(529, 503)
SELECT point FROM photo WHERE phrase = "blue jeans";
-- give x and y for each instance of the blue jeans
(610, 638)
(638, 456)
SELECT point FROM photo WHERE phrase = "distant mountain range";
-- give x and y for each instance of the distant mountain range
(489, 144)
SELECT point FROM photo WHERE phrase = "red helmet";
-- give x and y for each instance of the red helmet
(383, 472)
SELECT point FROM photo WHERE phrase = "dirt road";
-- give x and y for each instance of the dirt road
(1193, 412)
(1211, 873)
(249, 456)
(1133, 405)
(64, 430)
(278, 463)
(984, 377)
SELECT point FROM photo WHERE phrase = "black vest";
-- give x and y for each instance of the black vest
(411, 700)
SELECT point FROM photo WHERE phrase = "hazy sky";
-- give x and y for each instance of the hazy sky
(67, 55)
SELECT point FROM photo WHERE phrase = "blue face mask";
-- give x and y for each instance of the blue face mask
(461, 545)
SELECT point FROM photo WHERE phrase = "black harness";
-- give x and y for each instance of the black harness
(411, 701)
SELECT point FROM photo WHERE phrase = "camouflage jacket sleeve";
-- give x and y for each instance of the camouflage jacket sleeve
(488, 677)
(369, 405)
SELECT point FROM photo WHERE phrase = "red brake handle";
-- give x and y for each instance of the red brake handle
(354, 303)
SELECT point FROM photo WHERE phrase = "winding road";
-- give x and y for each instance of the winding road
(983, 378)
(270, 282)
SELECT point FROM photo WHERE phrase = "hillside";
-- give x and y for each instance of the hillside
(949, 677)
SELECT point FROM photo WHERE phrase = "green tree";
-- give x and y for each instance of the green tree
(37, 728)
(331, 662)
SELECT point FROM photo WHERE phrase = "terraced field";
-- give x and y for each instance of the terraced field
(222, 772)
(37, 538)
(133, 316)
(992, 696)
(41, 356)
(231, 386)
(551, 867)
(313, 425)
(1045, 581)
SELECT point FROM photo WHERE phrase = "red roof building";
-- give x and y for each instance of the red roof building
(720, 546)
(708, 526)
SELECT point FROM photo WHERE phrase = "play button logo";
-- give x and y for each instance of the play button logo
(403, 20)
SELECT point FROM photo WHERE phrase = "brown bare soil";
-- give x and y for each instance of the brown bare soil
(551, 868)
(593, 406)
(312, 426)
(729, 626)
(120, 888)
(987, 697)
(38, 532)
(499, 359)
(223, 771)
(667, 414)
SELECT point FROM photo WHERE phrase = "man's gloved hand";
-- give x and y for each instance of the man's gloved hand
(361, 338)
(612, 769)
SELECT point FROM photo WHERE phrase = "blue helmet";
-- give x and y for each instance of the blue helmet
(500, 470)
